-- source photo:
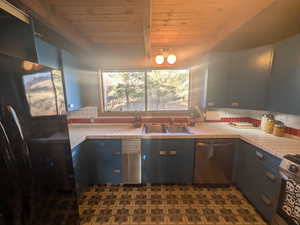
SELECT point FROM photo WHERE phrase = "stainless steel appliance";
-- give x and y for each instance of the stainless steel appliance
(214, 160)
(288, 211)
(131, 161)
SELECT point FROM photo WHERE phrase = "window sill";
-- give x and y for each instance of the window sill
(148, 113)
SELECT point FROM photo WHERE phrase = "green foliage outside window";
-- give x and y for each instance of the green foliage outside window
(139, 91)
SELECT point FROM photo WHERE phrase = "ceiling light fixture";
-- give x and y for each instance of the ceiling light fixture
(159, 59)
(165, 55)
(171, 59)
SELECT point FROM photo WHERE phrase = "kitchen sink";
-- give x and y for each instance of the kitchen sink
(154, 128)
(158, 128)
(177, 129)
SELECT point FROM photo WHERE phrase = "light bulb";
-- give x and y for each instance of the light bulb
(171, 59)
(159, 59)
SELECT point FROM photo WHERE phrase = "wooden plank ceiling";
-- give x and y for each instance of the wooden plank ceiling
(105, 22)
(189, 27)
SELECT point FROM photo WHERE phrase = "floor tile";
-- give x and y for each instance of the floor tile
(165, 205)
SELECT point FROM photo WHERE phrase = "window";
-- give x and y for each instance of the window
(167, 90)
(154, 90)
(124, 91)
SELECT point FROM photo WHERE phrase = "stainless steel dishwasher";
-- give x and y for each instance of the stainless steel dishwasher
(214, 161)
(131, 161)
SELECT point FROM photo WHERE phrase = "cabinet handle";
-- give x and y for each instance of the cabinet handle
(266, 200)
(116, 171)
(116, 153)
(270, 175)
(260, 155)
(223, 144)
(201, 144)
(163, 152)
(172, 152)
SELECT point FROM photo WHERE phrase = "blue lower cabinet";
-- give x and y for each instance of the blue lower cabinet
(80, 166)
(167, 160)
(256, 175)
(105, 163)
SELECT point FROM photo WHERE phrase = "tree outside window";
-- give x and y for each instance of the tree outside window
(127, 91)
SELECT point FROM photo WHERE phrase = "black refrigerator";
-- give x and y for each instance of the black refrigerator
(37, 185)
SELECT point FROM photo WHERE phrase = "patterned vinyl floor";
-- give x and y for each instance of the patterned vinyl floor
(166, 204)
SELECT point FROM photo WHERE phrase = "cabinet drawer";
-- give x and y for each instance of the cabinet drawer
(265, 205)
(269, 183)
(268, 161)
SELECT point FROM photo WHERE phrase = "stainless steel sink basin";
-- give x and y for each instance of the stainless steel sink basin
(177, 129)
(154, 128)
(158, 128)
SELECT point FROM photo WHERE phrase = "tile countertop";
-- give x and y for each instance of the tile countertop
(278, 146)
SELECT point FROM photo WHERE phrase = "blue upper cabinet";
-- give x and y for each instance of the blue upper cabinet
(217, 80)
(71, 74)
(285, 82)
(47, 54)
(249, 78)
(239, 79)
(16, 37)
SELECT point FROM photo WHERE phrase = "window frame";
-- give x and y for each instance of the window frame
(102, 110)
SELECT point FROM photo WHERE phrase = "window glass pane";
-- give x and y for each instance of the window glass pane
(167, 90)
(124, 91)
(40, 94)
(59, 88)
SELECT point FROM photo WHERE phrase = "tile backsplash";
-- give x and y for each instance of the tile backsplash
(217, 114)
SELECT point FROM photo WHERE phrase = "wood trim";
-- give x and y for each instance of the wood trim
(6, 6)
(147, 113)
(101, 107)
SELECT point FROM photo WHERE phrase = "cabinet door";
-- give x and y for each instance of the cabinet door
(154, 161)
(80, 165)
(167, 161)
(258, 181)
(286, 77)
(249, 78)
(16, 37)
(217, 80)
(47, 54)
(105, 161)
(180, 160)
(71, 81)
(245, 170)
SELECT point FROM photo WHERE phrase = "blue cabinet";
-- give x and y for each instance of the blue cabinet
(285, 81)
(47, 54)
(71, 74)
(105, 163)
(239, 79)
(167, 160)
(256, 175)
(80, 160)
(249, 78)
(217, 80)
(16, 37)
